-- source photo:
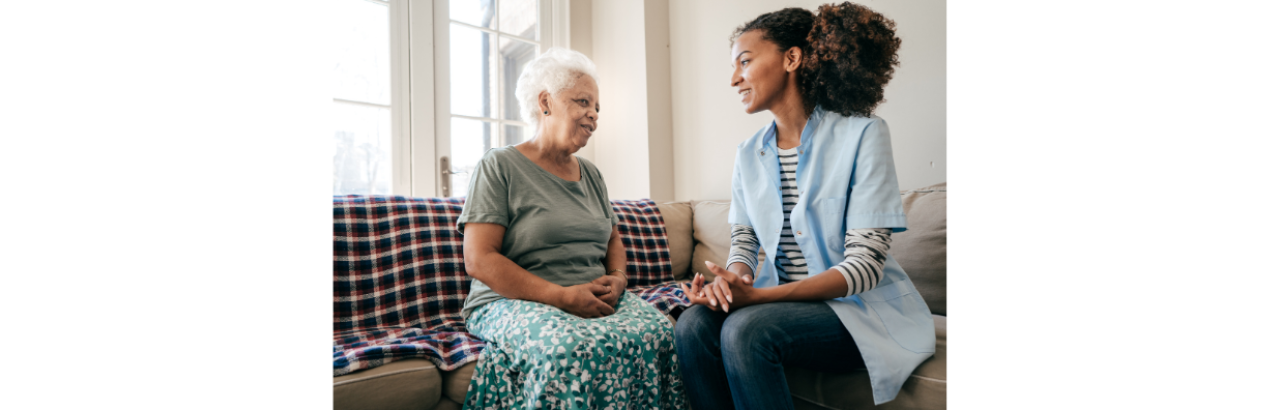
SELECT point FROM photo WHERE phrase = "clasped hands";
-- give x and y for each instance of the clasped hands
(728, 289)
(593, 299)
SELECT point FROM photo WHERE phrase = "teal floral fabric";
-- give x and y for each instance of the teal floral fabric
(541, 357)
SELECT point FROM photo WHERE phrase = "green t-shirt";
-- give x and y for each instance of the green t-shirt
(556, 229)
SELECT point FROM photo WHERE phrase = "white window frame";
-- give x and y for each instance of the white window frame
(401, 164)
(420, 102)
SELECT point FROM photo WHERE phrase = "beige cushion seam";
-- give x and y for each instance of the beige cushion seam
(380, 376)
(929, 379)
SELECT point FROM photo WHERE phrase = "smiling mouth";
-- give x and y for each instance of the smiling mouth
(744, 93)
(589, 129)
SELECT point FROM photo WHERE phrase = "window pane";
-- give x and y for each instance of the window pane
(474, 12)
(362, 150)
(518, 17)
(515, 134)
(515, 54)
(469, 141)
(362, 71)
(473, 87)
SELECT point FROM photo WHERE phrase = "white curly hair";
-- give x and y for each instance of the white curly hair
(553, 71)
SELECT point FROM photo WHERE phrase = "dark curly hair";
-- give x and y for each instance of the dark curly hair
(850, 52)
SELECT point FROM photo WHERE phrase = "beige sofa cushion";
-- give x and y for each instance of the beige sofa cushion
(922, 249)
(402, 384)
(710, 235)
(678, 218)
(457, 380)
(925, 389)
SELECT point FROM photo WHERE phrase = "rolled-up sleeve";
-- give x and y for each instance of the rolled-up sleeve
(737, 208)
(874, 201)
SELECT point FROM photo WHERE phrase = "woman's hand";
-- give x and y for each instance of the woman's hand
(731, 290)
(614, 285)
(584, 300)
(695, 292)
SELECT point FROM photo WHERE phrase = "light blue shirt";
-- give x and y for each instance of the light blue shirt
(846, 180)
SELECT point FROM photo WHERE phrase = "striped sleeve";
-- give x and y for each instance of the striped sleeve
(743, 247)
(864, 253)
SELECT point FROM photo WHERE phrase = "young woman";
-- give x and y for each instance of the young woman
(817, 189)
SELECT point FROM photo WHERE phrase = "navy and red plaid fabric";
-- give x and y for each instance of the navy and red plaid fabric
(645, 237)
(399, 281)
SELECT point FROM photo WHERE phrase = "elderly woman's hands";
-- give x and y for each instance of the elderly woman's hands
(615, 286)
(584, 300)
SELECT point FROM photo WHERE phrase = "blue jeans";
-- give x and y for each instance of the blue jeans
(736, 359)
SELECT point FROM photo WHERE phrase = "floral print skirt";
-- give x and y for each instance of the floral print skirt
(540, 357)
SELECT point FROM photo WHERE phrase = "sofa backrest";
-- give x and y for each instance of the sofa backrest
(398, 261)
(678, 218)
(921, 250)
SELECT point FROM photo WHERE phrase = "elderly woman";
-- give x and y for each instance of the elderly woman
(549, 290)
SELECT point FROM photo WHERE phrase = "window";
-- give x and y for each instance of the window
(422, 89)
(489, 43)
(362, 98)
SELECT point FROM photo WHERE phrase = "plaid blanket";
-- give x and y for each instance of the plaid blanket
(399, 281)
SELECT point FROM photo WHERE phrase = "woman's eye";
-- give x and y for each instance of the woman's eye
(744, 62)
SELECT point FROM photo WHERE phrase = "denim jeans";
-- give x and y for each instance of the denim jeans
(736, 359)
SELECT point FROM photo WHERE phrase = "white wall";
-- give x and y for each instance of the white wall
(580, 41)
(657, 45)
(629, 43)
(708, 123)
(621, 142)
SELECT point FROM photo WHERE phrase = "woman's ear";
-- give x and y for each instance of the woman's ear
(791, 59)
(544, 102)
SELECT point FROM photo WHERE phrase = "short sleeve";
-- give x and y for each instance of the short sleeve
(874, 201)
(487, 196)
(737, 206)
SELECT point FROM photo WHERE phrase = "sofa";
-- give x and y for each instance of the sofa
(684, 235)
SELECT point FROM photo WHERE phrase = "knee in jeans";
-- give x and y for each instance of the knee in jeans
(748, 331)
(696, 323)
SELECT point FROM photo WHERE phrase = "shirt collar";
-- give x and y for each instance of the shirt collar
(771, 135)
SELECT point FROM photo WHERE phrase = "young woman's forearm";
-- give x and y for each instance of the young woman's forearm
(743, 249)
(827, 285)
(860, 271)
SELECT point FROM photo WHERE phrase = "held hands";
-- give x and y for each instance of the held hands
(722, 292)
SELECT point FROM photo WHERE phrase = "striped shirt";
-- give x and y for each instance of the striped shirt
(865, 249)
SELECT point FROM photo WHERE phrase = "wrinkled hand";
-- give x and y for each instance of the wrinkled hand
(719, 294)
(614, 285)
(585, 300)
